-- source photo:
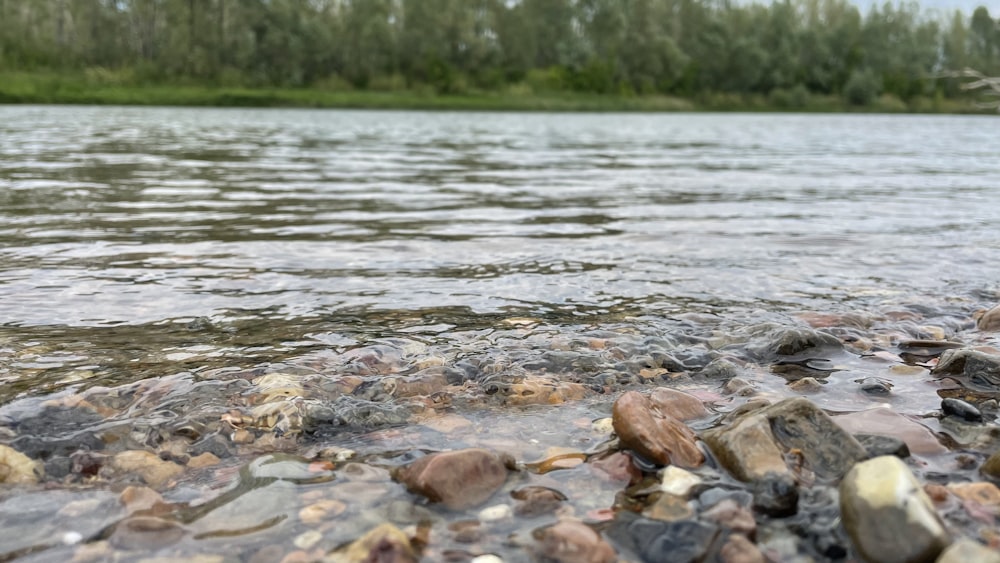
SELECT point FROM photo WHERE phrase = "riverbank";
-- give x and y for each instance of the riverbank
(37, 88)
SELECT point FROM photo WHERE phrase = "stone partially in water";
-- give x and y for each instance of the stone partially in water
(794, 341)
(458, 479)
(878, 445)
(154, 471)
(573, 542)
(534, 500)
(957, 407)
(753, 445)
(656, 541)
(991, 467)
(990, 320)
(738, 549)
(776, 495)
(888, 515)
(146, 533)
(976, 369)
(677, 404)
(919, 439)
(653, 434)
(17, 468)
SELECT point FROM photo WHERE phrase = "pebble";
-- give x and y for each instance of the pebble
(985, 494)
(678, 482)
(488, 558)
(205, 459)
(668, 508)
(573, 542)
(321, 511)
(457, 479)
(384, 543)
(966, 550)
(495, 513)
(656, 541)
(653, 434)
(961, 409)
(730, 515)
(991, 467)
(878, 445)
(17, 468)
(990, 320)
(146, 533)
(535, 501)
(806, 385)
(976, 369)
(888, 515)
(154, 471)
(747, 447)
(308, 539)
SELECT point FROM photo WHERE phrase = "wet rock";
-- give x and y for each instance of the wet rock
(776, 495)
(875, 386)
(140, 499)
(206, 459)
(886, 422)
(677, 404)
(966, 550)
(991, 467)
(383, 544)
(721, 369)
(216, 444)
(17, 468)
(146, 533)
(990, 320)
(677, 481)
(747, 448)
(738, 549)
(668, 508)
(458, 479)
(794, 341)
(655, 541)
(58, 431)
(753, 445)
(888, 515)
(154, 471)
(984, 494)
(616, 467)
(806, 385)
(961, 409)
(715, 495)
(495, 513)
(878, 445)
(977, 369)
(654, 434)
(730, 515)
(534, 501)
(321, 511)
(573, 542)
(738, 386)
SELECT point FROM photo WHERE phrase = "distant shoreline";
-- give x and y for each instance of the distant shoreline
(22, 88)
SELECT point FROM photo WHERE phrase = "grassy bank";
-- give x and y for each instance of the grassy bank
(38, 88)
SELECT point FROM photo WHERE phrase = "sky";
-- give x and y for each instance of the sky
(946, 6)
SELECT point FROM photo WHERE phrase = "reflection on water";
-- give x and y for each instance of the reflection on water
(418, 281)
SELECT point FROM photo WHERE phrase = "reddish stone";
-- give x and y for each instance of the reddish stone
(656, 435)
(459, 479)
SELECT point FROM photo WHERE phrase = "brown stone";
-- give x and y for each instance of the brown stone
(206, 459)
(534, 500)
(669, 508)
(659, 437)
(322, 510)
(919, 439)
(147, 465)
(729, 514)
(617, 467)
(986, 494)
(991, 467)
(573, 542)
(146, 533)
(754, 444)
(138, 499)
(459, 479)
(383, 544)
(17, 468)
(678, 404)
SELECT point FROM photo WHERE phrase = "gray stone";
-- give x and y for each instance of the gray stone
(976, 369)
(959, 408)
(888, 515)
(878, 445)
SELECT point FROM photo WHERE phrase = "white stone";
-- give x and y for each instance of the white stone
(678, 482)
(496, 513)
(306, 540)
(488, 558)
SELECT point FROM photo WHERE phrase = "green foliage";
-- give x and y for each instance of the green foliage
(786, 54)
(862, 88)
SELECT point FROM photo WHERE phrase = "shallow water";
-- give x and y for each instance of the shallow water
(499, 272)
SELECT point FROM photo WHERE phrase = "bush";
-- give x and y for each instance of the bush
(862, 88)
(796, 97)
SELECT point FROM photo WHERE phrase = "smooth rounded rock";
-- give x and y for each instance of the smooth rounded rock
(991, 467)
(643, 427)
(459, 479)
(878, 445)
(17, 468)
(990, 320)
(678, 404)
(919, 439)
(776, 495)
(961, 409)
(739, 549)
(154, 471)
(383, 544)
(573, 542)
(888, 515)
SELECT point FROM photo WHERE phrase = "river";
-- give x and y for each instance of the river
(191, 263)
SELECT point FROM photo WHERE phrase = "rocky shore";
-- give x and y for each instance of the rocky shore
(855, 437)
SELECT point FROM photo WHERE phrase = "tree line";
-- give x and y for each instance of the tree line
(786, 48)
